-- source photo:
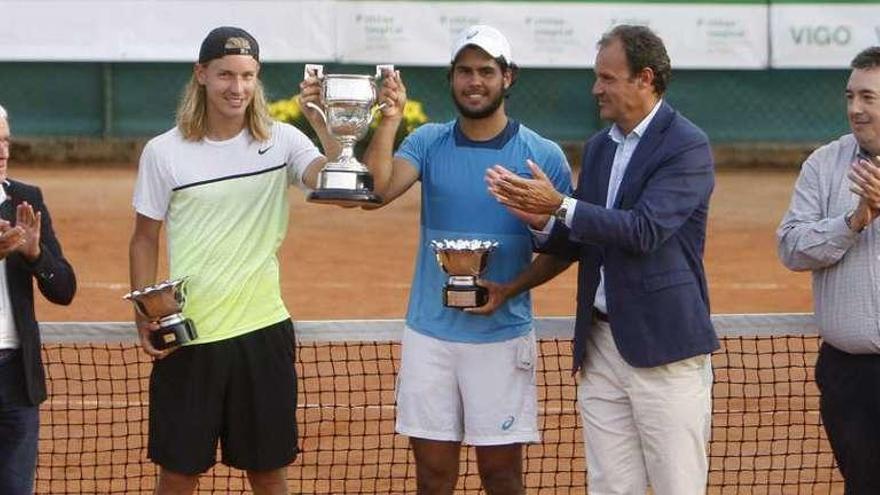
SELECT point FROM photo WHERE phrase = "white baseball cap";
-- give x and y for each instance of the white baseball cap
(487, 38)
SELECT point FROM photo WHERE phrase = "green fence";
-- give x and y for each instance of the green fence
(138, 99)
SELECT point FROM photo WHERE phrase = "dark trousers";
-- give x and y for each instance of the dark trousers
(19, 429)
(850, 404)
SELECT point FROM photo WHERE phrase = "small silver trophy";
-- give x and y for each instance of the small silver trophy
(348, 111)
(163, 302)
(464, 261)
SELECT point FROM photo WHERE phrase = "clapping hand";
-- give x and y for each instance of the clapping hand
(30, 223)
(537, 195)
(865, 177)
(11, 238)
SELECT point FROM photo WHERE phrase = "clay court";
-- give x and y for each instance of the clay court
(350, 264)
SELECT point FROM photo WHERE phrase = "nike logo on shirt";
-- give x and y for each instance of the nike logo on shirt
(264, 150)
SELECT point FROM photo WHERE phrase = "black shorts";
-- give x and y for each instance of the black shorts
(241, 391)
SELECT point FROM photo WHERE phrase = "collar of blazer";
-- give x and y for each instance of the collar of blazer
(641, 161)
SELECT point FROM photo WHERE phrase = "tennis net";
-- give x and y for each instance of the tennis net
(767, 436)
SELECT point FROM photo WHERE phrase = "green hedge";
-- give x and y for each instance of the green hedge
(138, 99)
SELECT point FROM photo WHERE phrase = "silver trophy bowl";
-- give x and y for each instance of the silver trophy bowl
(348, 110)
(163, 303)
(464, 261)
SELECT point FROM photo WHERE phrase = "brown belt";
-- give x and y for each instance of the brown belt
(600, 315)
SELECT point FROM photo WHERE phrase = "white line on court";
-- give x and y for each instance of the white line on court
(103, 285)
(753, 286)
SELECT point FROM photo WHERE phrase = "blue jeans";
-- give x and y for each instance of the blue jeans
(19, 430)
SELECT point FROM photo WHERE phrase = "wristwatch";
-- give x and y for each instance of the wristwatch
(848, 220)
(562, 211)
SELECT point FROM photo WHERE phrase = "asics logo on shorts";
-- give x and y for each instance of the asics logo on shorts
(507, 423)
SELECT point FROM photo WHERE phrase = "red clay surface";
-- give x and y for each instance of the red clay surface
(342, 263)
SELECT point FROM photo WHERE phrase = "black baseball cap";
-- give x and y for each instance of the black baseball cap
(217, 45)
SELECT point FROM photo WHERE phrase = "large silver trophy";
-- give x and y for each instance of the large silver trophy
(464, 261)
(348, 111)
(163, 303)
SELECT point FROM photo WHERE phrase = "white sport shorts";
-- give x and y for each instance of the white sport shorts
(477, 394)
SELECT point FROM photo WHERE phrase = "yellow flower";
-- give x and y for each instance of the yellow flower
(286, 110)
(414, 112)
(413, 115)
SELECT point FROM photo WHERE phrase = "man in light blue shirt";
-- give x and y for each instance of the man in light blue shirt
(467, 376)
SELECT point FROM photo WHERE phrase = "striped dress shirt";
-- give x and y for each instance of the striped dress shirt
(814, 236)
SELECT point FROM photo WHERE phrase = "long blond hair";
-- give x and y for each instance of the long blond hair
(192, 113)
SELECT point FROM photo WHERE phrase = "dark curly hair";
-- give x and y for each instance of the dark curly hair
(644, 49)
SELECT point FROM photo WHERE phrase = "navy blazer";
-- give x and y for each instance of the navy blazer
(651, 243)
(54, 277)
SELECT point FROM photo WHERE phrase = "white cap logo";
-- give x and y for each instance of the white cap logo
(484, 37)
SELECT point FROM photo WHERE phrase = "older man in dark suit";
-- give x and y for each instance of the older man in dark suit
(637, 226)
(28, 250)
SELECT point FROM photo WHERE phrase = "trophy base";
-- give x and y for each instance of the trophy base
(173, 333)
(344, 197)
(465, 297)
(345, 185)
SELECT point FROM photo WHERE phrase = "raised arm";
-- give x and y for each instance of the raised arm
(391, 176)
(809, 238)
(42, 252)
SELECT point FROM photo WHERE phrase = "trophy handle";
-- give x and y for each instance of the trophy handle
(181, 294)
(142, 310)
(381, 68)
(137, 304)
(380, 71)
(321, 112)
(375, 111)
(318, 69)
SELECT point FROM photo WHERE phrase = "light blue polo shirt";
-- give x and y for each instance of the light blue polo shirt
(457, 205)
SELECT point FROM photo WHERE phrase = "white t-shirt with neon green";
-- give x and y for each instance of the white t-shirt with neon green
(225, 207)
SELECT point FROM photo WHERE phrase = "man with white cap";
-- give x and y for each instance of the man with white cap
(466, 376)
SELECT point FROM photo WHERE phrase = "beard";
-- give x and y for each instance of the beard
(479, 113)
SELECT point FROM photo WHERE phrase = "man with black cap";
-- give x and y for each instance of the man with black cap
(466, 376)
(218, 181)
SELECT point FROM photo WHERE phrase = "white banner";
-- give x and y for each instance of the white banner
(542, 34)
(822, 35)
(160, 30)
(551, 34)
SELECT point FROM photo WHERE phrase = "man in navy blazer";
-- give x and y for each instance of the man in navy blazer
(29, 251)
(637, 226)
